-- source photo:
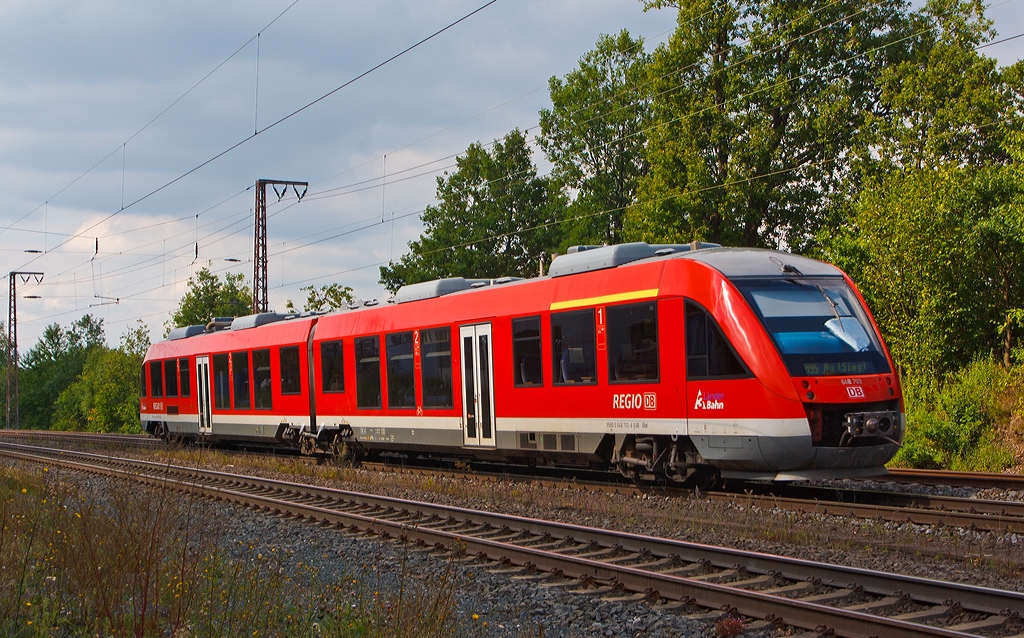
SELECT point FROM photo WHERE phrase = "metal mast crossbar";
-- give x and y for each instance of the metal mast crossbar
(259, 275)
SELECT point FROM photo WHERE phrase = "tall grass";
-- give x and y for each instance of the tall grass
(965, 421)
(133, 561)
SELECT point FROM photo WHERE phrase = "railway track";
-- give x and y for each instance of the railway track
(692, 578)
(920, 509)
(956, 479)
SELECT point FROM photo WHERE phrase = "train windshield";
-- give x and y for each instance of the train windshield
(817, 324)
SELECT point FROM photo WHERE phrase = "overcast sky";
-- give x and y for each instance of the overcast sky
(80, 80)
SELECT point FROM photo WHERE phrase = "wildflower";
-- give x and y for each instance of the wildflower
(24, 491)
(476, 616)
(28, 604)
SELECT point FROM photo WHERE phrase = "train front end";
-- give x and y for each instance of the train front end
(832, 404)
(839, 368)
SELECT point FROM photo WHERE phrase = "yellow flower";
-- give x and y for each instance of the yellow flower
(476, 616)
(24, 491)
(28, 604)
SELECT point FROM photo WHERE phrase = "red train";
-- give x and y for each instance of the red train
(685, 362)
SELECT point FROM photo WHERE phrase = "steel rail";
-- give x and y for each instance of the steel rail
(800, 613)
(958, 479)
(993, 516)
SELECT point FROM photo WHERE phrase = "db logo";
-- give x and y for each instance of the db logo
(855, 391)
(650, 401)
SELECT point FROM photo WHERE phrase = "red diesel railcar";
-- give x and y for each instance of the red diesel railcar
(686, 362)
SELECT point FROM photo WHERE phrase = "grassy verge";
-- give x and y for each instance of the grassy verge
(972, 420)
(140, 562)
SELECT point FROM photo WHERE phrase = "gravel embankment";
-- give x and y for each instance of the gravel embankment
(485, 604)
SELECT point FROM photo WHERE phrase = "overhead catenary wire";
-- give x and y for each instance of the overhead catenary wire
(791, 79)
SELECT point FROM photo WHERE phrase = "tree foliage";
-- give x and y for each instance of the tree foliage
(494, 218)
(755, 104)
(209, 296)
(105, 396)
(53, 364)
(329, 297)
(594, 135)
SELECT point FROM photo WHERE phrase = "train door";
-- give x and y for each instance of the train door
(203, 385)
(477, 385)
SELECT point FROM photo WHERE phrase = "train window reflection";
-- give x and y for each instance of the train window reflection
(142, 382)
(401, 386)
(633, 342)
(171, 377)
(526, 352)
(818, 325)
(156, 375)
(262, 389)
(240, 379)
(332, 371)
(368, 373)
(436, 367)
(221, 382)
(573, 347)
(709, 354)
(183, 372)
(290, 379)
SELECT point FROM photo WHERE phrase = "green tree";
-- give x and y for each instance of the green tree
(594, 134)
(209, 296)
(105, 397)
(939, 254)
(329, 297)
(756, 105)
(495, 218)
(53, 364)
(947, 102)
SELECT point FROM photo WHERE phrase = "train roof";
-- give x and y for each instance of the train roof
(733, 263)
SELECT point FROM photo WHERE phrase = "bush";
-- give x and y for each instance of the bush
(951, 424)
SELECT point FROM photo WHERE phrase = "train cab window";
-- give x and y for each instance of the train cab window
(290, 378)
(526, 352)
(332, 371)
(240, 379)
(221, 382)
(171, 377)
(436, 367)
(633, 342)
(708, 353)
(573, 347)
(183, 374)
(401, 386)
(261, 384)
(156, 376)
(368, 373)
(142, 382)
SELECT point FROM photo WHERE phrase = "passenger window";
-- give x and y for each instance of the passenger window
(526, 352)
(240, 374)
(290, 379)
(401, 387)
(142, 382)
(436, 367)
(708, 353)
(171, 376)
(573, 347)
(221, 382)
(262, 390)
(633, 342)
(332, 372)
(368, 373)
(156, 375)
(183, 371)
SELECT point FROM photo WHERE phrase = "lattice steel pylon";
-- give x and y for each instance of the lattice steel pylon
(259, 253)
(12, 345)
